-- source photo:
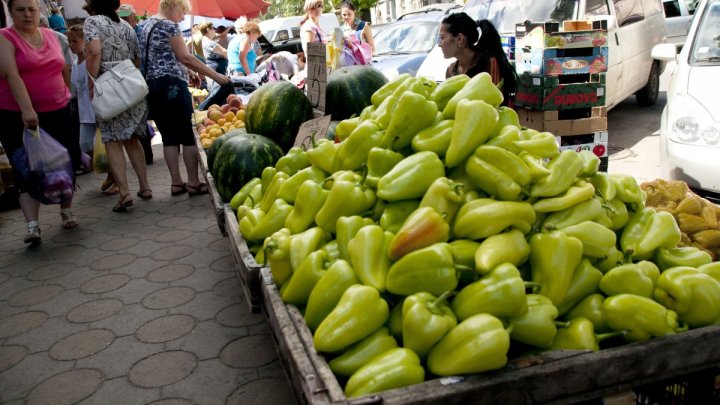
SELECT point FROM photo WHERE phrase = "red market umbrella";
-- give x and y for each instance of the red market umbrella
(230, 9)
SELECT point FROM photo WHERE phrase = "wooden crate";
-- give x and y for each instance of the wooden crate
(555, 377)
(247, 268)
(218, 205)
(555, 121)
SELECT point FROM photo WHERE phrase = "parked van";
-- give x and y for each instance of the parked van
(634, 27)
(286, 28)
(678, 17)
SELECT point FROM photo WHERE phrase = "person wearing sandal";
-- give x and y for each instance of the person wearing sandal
(109, 39)
(171, 105)
(32, 93)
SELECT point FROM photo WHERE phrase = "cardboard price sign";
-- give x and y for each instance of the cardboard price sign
(316, 80)
(312, 129)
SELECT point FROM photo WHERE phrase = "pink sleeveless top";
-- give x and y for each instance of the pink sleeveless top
(40, 69)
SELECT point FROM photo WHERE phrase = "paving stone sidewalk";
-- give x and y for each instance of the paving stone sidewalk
(130, 308)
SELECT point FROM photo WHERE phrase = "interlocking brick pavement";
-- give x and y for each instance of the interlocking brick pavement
(133, 308)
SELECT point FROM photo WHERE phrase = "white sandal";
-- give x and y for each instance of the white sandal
(33, 234)
(68, 219)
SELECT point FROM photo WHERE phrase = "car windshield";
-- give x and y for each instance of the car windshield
(706, 45)
(269, 34)
(504, 14)
(418, 36)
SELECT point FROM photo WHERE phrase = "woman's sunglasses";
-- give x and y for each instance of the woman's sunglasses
(317, 5)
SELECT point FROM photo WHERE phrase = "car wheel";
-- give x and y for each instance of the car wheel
(648, 95)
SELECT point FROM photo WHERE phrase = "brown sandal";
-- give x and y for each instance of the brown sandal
(145, 194)
(201, 188)
(124, 203)
(177, 189)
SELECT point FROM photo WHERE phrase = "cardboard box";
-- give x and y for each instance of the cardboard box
(550, 121)
(547, 94)
(576, 25)
(596, 142)
(556, 61)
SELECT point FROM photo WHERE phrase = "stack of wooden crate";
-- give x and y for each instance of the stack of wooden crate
(561, 82)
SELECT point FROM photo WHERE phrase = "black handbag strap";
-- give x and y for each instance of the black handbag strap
(147, 48)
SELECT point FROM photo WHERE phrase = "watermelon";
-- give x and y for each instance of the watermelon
(276, 111)
(217, 143)
(241, 158)
(349, 90)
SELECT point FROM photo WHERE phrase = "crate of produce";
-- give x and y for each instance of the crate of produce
(562, 92)
(555, 61)
(565, 122)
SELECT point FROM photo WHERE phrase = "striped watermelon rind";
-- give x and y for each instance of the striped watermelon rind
(217, 143)
(276, 111)
(349, 90)
(240, 159)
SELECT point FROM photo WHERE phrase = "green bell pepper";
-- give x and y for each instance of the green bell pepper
(445, 91)
(507, 247)
(463, 252)
(394, 323)
(435, 138)
(346, 229)
(422, 228)
(693, 295)
(346, 198)
(564, 169)
(302, 244)
(360, 312)
(553, 259)
(288, 190)
(641, 317)
(252, 200)
(500, 293)
(306, 208)
(535, 165)
(297, 289)
(430, 269)
(580, 335)
(412, 85)
(536, 326)
(479, 343)
(426, 319)
(294, 160)
(412, 114)
(354, 151)
(711, 269)
(368, 255)
(269, 197)
(627, 279)
(647, 231)
(478, 219)
(480, 87)
(327, 292)
(497, 172)
(331, 248)
(591, 163)
(380, 162)
(591, 308)
(277, 255)
(345, 127)
(266, 177)
(582, 191)
(396, 368)
(322, 155)
(507, 117)
(613, 259)
(585, 281)
(587, 210)
(627, 189)
(445, 196)
(541, 144)
(362, 352)
(689, 256)
(596, 239)
(604, 185)
(388, 89)
(474, 121)
(395, 214)
(411, 177)
(618, 214)
(384, 112)
(243, 194)
(257, 225)
(505, 139)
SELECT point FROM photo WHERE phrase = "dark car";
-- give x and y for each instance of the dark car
(402, 46)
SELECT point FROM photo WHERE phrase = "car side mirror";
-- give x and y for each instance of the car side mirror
(664, 52)
(610, 19)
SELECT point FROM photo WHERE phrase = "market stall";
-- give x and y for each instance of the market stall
(435, 250)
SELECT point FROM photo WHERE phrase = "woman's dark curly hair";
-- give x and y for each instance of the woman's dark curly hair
(107, 8)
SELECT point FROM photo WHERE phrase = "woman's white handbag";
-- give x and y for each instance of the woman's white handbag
(118, 89)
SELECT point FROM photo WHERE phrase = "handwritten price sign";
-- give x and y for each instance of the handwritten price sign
(317, 77)
(312, 129)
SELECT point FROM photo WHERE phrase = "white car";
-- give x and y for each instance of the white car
(690, 127)
(678, 17)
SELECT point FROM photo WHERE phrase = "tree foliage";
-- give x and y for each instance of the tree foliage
(287, 8)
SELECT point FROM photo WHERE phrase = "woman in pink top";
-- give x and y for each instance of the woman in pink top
(32, 93)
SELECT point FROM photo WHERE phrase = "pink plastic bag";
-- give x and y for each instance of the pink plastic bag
(356, 52)
(50, 167)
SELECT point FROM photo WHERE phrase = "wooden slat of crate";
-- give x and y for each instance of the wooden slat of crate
(549, 121)
(218, 205)
(300, 370)
(248, 270)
